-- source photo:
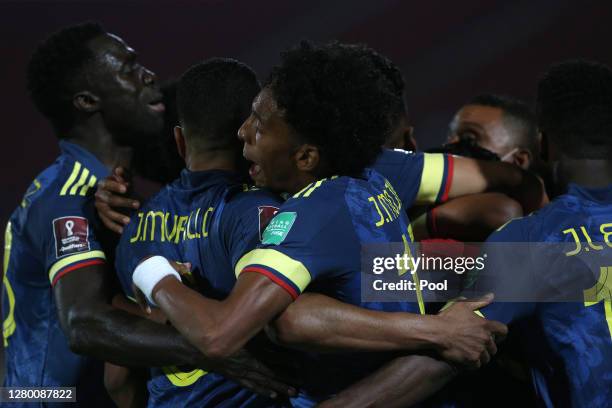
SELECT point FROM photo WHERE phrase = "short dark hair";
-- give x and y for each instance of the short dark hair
(517, 115)
(54, 68)
(574, 108)
(335, 97)
(213, 99)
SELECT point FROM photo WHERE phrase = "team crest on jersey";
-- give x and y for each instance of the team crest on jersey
(276, 232)
(266, 213)
(71, 235)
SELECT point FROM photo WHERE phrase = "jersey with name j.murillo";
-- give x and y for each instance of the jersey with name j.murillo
(210, 219)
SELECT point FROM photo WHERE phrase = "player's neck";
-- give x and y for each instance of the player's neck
(214, 160)
(300, 182)
(99, 142)
(584, 172)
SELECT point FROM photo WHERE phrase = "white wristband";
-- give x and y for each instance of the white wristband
(150, 272)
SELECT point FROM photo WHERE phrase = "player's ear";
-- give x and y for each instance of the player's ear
(85, 101)
(179, 138)
(522, 158)
(307, 158)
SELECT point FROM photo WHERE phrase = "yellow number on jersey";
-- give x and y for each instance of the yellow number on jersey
(602, 291)
(8, 326)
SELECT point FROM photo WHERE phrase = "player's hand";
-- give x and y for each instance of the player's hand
(109, 198)
(249, 372)
(141, 299)
(183, 268)
(466, 338)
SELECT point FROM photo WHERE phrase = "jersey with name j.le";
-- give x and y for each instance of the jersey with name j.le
(52, 233)
(207, 218)
(314, 243)
(565, 264)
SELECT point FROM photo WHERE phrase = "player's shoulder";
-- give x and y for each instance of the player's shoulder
(535, 227)
(563, 212)
(63, 184)
(518, 229)
(324, 195)
(397, 157)
(245, 196)
(244, 201)
(320, 206)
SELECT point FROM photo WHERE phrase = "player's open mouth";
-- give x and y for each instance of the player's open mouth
(254, 170)
(157, 106)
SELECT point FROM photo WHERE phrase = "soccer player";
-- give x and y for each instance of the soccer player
(505, 126)
(500, 124)
(207, 216)
(304, 128)
(57, 283)
(565, 256)
(470, 218)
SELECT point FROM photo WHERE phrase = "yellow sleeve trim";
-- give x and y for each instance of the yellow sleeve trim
(291, 269)
(431, 178)
(56, 267)
(183, 379)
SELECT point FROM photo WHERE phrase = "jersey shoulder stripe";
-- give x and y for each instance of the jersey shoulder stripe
(72, 262)
(289, 273)
(436, 178)
(310, 188)
(79, 182)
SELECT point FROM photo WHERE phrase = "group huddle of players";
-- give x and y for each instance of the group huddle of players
(215, 293)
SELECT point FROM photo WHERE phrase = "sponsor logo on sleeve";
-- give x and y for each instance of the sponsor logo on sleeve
(266, 213)
(277, 230)
(71, 235)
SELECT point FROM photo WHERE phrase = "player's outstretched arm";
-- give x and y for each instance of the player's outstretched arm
(472, 176)
(318, 323)
(470, 218)
(402, 382)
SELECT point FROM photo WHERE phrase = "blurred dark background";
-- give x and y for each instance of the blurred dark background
(448, 51)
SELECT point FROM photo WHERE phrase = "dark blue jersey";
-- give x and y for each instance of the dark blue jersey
(418, 178)
(314, 242)
(209, 219)
(567, 256)
(50, 234)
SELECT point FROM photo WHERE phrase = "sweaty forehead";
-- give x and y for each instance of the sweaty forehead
(482, 115)
(109, 46)
(265, 105)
